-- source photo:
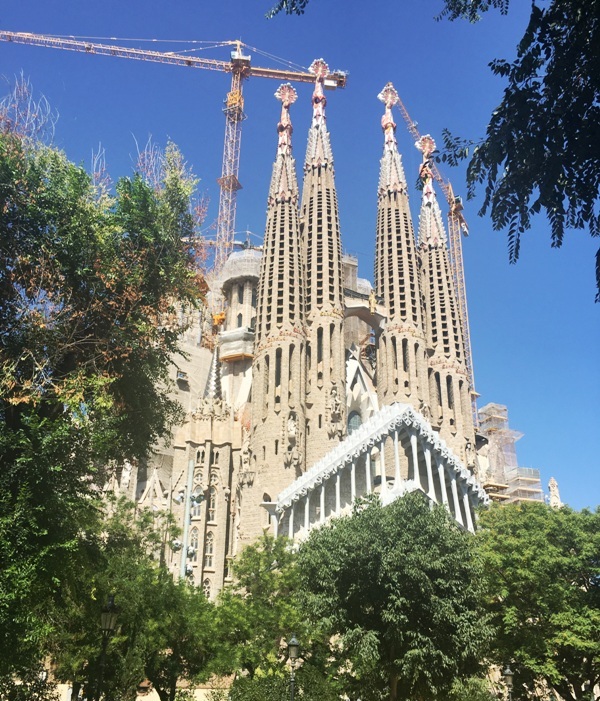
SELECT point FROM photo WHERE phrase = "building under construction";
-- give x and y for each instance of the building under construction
(499, 471)
(306, 386)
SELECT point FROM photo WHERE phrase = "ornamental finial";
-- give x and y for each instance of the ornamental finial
(287, 94)
(426, 146)
(320, 70)
(389, 97)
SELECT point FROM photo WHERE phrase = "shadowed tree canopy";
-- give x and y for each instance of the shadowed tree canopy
(399, 589)
(540, 153)
(164, 626)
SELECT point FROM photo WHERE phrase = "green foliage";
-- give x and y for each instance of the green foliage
(310, 685)
(472, 689)
(471, 10)
(543, 567)
(164, 626)
(34, 686)
(261, 609)
(86, 285)
(539, 152)
(400, 589)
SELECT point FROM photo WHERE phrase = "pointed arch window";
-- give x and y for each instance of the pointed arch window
(209, 547)
(354, 421)
(197, 509)
(206, 588)
(194, 541)
(212, 504)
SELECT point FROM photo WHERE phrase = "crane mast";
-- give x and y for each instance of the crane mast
(240, 68)
(457, 225)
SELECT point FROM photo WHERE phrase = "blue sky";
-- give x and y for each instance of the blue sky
(534, 326)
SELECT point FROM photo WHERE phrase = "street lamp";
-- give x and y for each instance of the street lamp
(108, 623)
(293, 648)
(508, 680)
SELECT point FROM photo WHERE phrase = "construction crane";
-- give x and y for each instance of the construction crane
(240, 68)
(457, 225)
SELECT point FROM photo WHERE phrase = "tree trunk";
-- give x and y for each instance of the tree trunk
(75, 691)
(393, 686)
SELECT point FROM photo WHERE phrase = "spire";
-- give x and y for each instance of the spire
(284, 186)
(448, 377)
(278, 306)
(391, 175)
(213, 383)
(276, 448)
(324, 287)
(287, 94)
(401, 366)
(318, 150)
(431, 226)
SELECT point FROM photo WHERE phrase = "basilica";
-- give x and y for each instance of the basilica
(304, 385)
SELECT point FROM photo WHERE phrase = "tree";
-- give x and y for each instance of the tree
(543, 569)
(255, 619)
(261, 609)
(399, 589)
(87, 286)
(540, 152)
(164, 629)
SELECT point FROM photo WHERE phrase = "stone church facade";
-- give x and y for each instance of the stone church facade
(305, 386)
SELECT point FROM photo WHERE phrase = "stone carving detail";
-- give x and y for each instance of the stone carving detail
(245, 452)
(371, 434)
(293, 456)
(554, 500)
(424, 410)
(211, 407)
(470, 458)
(335, 412)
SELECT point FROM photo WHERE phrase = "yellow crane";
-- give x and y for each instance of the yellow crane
(457, 226)
(240, 68)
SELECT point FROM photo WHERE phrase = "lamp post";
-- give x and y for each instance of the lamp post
(508, 680)
(108, 623)
(293, 648)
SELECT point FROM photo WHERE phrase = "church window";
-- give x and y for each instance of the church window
(438, 389)
(206, 588)
(354, 421)
(278, 354)
(215, 458)
(405, 354)
(196, 509)
(254, 296)
(194, 544)
(267, 370)
(209, 547)
(276, 446)
(212, 504)
(290, 374)
(241, 294)
(239, 321)
(450, 392)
